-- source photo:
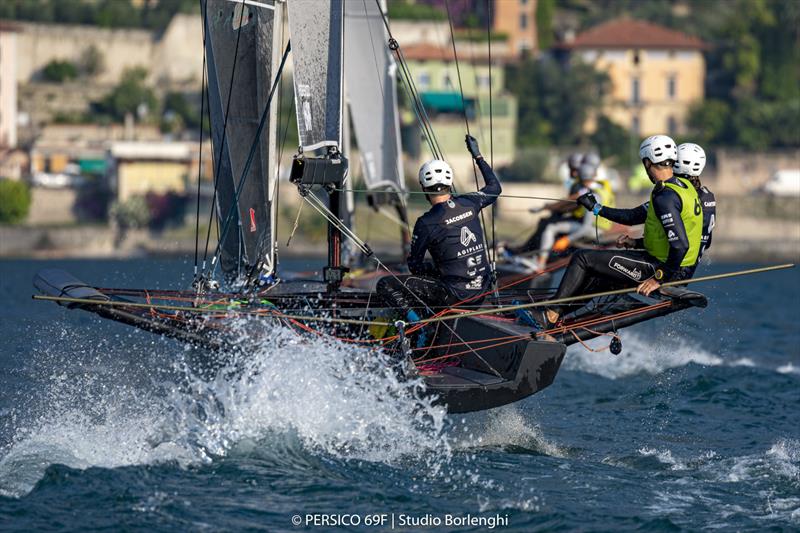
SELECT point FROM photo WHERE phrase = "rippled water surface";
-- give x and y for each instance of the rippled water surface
(695, 425)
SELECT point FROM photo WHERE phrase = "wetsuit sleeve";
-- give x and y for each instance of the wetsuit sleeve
(487, 195)
(419, 245)
(710, 222)
(626, 217)
(667, 206)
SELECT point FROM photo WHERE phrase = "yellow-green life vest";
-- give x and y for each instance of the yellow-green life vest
(656, 241)
(605, 196)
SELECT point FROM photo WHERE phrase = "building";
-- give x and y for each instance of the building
(656, 73)
(435, 75)
(63, 150)
(8, 84)
(517, 20)
(137, 168)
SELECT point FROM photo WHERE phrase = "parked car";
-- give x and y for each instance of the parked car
(783, 183)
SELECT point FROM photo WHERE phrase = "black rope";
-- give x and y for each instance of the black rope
(409, 86)
(224, 134)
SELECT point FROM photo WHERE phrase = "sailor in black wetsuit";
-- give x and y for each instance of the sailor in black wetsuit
(690, 164)
(451, 232)
(673, 222)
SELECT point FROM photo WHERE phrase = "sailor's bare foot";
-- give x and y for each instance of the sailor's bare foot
(552, 316)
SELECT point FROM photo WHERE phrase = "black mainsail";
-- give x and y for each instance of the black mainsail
(242, 48)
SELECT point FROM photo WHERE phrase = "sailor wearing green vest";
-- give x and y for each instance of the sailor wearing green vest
(673, 223)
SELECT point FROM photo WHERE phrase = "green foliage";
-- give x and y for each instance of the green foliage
(405, 10)
(615, 142)
(59, 71)
(530, 165)
(132, 213)
(554, 100)
(545, 11)
(15, 201)
(105, 13)
(179, 113)
(92, 61)
(129, 94)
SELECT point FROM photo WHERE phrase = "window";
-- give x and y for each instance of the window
(636, 57)
(484, 81)
(424, 81)
(447, 82)
(635, 125)
(671, 86)
(523, 21)
(635, 96)
(672, 125)
(523, 2)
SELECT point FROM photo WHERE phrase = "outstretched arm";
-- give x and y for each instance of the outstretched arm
(488, 194)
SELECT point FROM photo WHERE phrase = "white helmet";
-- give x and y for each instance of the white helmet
(574, 160)
(435, 172)
(691, 160)
(591, 158)
(658, 148)
(588, 172)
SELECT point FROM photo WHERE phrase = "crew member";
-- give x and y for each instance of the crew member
(673, 222)
(451, 232)
(561, 211)
(581, 223)
(690, 164)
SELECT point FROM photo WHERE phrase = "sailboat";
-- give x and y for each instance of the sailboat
(478, 357)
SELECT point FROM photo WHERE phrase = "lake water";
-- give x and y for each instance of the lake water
(695, 425)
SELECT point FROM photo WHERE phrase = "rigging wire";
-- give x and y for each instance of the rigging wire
(493, 273)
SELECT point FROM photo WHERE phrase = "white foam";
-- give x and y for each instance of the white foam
(326, 396)
(639, 356)
(507, 426)
(789, 368)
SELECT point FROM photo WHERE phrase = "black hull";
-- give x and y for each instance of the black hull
(486, 378)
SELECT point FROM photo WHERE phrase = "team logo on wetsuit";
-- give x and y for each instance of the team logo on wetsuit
(467, 236)
(456, 218)
(629, 269)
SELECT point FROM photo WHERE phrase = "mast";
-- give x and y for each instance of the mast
(242, 52)
(317, 30)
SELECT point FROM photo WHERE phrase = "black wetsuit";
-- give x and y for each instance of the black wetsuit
(709, 203)
(534, 242)
(451, 232)
(630, 267)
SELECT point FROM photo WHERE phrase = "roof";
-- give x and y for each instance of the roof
(630, 33)
(467, 52)
(164, 151)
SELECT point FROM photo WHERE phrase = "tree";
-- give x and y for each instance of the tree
(59, 71)
(554, 100)
(92, 61)
(614, 142)
(130, 95)
(15, 201)
(545, 10)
